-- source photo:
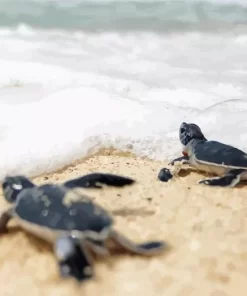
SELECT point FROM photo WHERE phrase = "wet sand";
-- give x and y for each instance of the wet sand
(205, 227)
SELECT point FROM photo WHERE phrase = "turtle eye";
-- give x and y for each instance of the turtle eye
(5, 185)
(182, 130)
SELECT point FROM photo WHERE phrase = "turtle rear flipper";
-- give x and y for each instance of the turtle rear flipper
(96, 180)
(146, 249)
(73, 258)
(230, 179)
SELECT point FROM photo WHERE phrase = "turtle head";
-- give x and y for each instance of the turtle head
(64, 248)
(190, 131)
(12, 186)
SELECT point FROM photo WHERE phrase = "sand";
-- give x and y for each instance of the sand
(205, 227)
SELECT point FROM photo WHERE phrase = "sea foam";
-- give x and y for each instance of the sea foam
(65, 95)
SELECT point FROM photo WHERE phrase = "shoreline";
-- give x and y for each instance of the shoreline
(110, 151)
(205, 227)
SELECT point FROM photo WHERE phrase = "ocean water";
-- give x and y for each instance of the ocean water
(77, 76)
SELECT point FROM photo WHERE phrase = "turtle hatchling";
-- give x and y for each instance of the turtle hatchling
(228, 163)
(77, 228)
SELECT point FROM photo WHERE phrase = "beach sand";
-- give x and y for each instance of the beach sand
(205, 227)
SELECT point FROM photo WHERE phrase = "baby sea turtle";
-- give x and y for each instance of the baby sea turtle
(77, 227)
(225, 161)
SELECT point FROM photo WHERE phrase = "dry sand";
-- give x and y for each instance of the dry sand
(206, 228)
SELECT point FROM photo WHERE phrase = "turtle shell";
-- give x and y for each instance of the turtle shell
(60, 208)
(213, 152)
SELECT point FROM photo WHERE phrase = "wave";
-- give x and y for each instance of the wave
(64, 95)
(125, 15)
(72, 123)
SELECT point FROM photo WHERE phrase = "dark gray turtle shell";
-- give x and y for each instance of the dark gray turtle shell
(46, 206)
(213, 152)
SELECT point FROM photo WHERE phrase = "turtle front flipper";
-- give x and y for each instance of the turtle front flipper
(230, 179)
(175, 166)
(146, 249)
(73, 258)
(181, 160)
(97, 247)
(5, 217)
(96, 180)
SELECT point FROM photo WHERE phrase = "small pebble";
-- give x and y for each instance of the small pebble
(164, 175)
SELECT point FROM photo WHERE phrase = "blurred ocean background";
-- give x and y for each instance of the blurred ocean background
(77, 76)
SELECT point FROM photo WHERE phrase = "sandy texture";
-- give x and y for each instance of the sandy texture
(206, 228)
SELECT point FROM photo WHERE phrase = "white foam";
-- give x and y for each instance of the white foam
(63, 96)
